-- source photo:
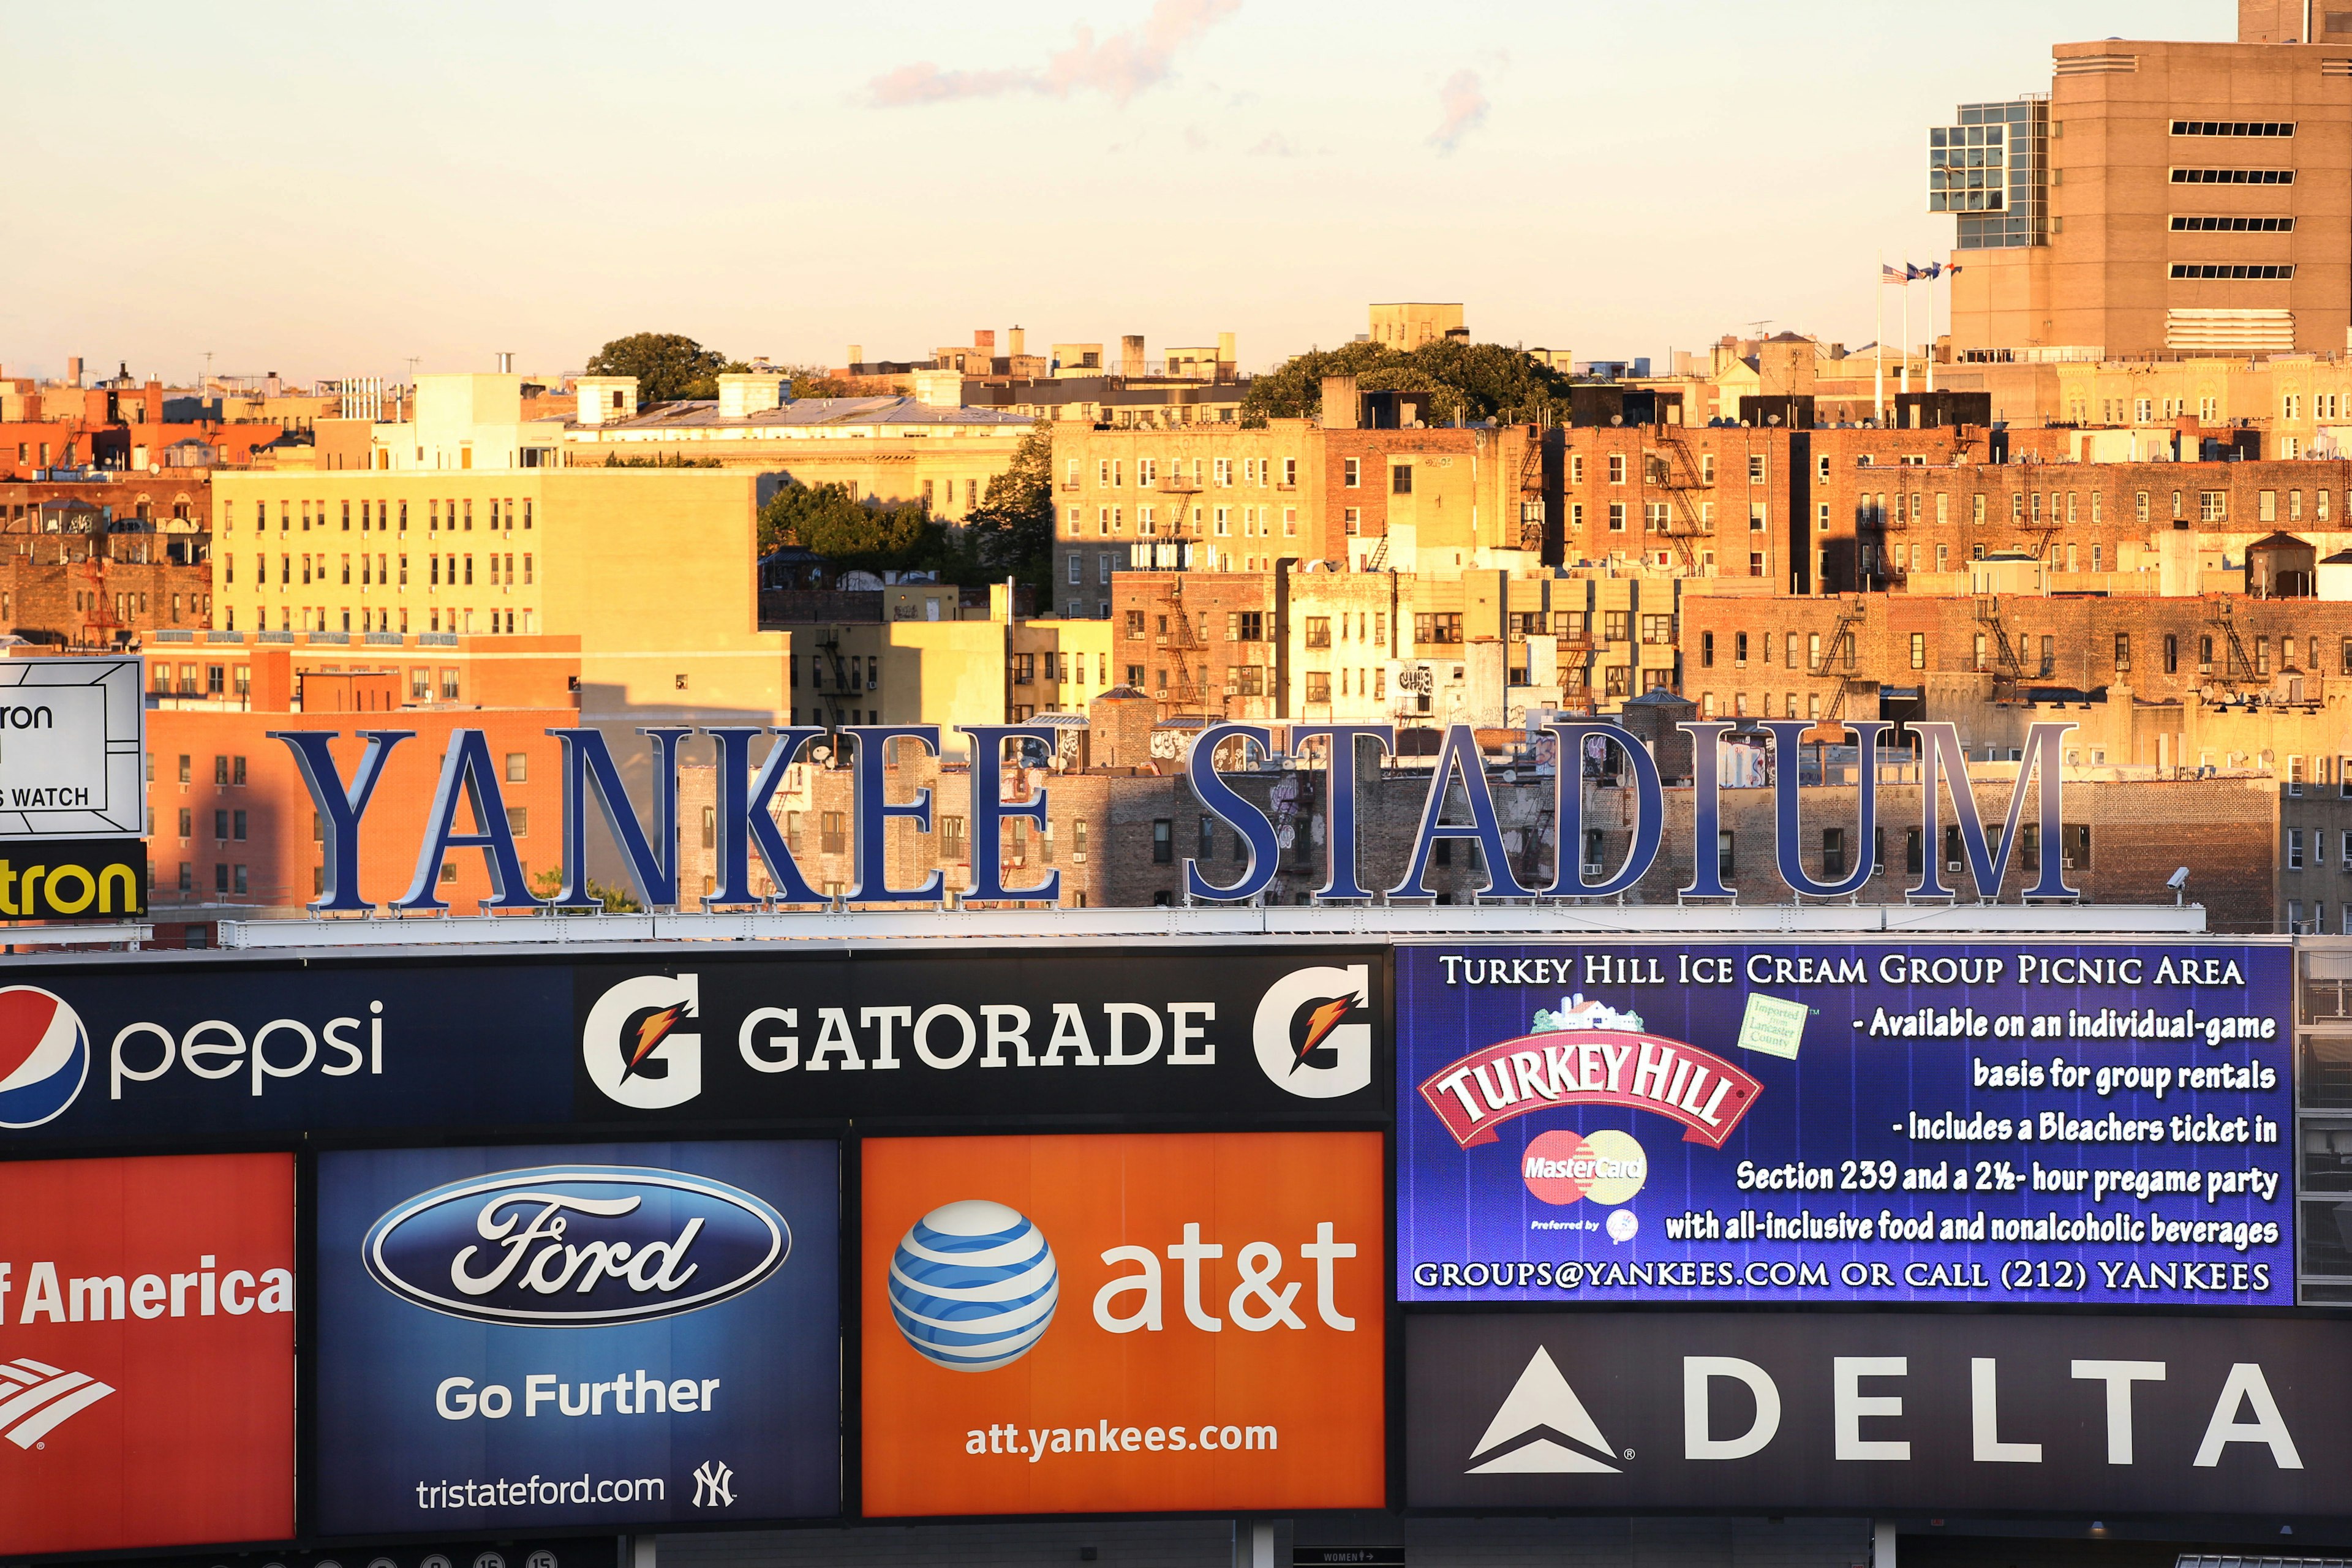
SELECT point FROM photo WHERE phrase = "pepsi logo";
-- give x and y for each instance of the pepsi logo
(44, 1056)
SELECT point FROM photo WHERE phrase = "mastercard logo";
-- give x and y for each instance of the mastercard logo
(1562, 1167)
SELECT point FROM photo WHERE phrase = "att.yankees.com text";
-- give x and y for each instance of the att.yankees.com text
(539, 1489)
(1035, 1442)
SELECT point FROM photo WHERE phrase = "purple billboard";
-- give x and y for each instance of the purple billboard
(2033, 1123)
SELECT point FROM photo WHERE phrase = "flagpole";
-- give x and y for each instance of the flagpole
(1931, 329)
(1906, 371)
(1879, 391)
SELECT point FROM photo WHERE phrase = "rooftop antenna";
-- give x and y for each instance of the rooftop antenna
(1760, 326)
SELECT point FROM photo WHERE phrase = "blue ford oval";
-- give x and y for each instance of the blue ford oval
(576, 1246)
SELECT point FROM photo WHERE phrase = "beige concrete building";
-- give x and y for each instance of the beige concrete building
(1410, 325)
(2160, 197)
(651, 569)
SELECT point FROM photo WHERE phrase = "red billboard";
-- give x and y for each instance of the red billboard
(146, 1353)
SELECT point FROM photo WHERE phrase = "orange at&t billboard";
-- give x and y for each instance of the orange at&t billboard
(1122, 1323)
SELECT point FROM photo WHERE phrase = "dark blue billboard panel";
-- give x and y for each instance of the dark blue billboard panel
(229, 1048)
(1866, 1121)
(578, 1337)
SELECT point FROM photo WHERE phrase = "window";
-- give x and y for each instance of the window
(1706, 651)
(1616, 468)
(2235, 272)
(1918, 650)
(1077, 570)
(1756, 461)
(833, 835)
(1319, 631)
(2294, 848)
(1352, 473)
(1163, 841)
(1833, 852)
(1400, 480)
(1658, 630)
(1318, 685)
(518, 823)
(2074, 845)
(2233, 176)
(2233, 128)
(952, 848)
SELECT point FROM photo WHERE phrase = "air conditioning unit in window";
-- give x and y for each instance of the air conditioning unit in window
(1952, 865)
(2068, 862)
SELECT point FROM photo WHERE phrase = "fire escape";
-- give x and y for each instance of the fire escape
(2008, 670)
(1531, 495)
(2235, 666)
(1675, 471)
(828, 654)
(100, 622)
(1178, 638)
(1180, 489)
(1838, 659)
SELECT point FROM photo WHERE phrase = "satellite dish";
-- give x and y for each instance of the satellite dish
(820, 753)
(154, 467)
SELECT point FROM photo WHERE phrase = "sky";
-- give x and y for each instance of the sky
(333, 190)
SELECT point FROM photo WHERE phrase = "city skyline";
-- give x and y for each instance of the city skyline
(623, 174)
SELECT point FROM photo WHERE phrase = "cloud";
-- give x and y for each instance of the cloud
(1462, 109)
(1274, 145)
(1118, 66)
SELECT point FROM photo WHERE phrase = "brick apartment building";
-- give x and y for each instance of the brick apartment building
(232, 829)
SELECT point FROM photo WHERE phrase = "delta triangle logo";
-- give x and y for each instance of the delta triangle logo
(1543, 1407)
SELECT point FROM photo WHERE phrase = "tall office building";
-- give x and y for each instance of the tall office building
(2177, 197)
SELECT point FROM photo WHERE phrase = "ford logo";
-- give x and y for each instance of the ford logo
(576, 1246)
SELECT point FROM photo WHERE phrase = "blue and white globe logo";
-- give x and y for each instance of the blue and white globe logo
(973, 1285)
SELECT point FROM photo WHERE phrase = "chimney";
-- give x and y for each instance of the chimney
(506, 365)
(1343, 410)
(984, 338)
(1016, 342)
(1130, 354)
(857, 357)
(1225, 354)
(73, 371)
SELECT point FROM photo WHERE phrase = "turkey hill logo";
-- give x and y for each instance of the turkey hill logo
(1542, 1429)
(1477, 1094)
(1306, 1043)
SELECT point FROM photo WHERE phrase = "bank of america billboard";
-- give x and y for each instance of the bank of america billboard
(2033, 1124)
(570, 1337)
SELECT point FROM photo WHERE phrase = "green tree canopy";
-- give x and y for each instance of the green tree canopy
(1469, 381)
(668, 365)
(1012, 529)
(823, 519)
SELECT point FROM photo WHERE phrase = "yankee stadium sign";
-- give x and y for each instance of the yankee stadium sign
(746, 826)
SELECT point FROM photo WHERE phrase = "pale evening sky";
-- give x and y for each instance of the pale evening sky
(324, 190)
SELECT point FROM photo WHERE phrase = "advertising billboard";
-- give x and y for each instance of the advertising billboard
(73, 738)
(1938, 1121)
(147, 1376)
(168, 1048)
(1122, 1323)
(234, 1046)
(1871, 1412)
(1280, 1032)
(568, 1337)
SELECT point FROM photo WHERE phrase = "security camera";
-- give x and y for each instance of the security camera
(2178, 879)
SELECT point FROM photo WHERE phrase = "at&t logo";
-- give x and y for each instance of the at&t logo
(44, 1056)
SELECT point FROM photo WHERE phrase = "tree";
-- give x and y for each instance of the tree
(668, 365)
(823, 519)
(1013, 527)
(616, 901)
(1464, 381)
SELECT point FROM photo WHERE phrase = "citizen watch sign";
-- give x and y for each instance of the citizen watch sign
(1280, 1033)
(1775, 1411)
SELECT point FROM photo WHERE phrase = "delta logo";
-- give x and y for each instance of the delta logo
(44, 1056)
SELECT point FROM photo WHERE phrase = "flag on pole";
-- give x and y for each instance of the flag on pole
(1890, 274)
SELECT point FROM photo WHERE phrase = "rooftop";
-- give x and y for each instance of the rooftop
(810, 412)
